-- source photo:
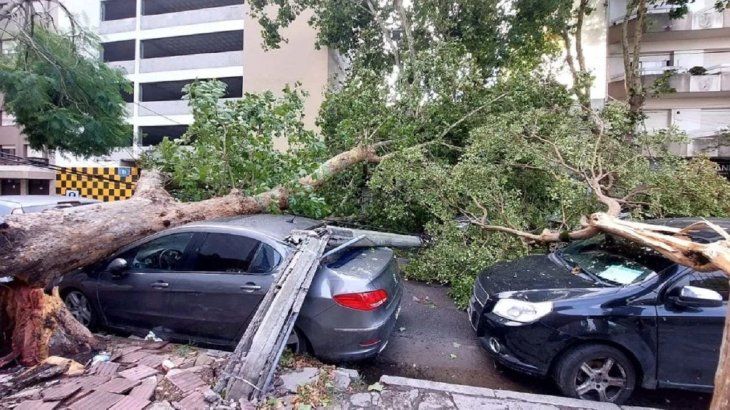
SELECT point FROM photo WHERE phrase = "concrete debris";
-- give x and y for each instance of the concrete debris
(291, 381)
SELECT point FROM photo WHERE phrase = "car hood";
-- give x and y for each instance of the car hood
(556, 295)
(539, 272)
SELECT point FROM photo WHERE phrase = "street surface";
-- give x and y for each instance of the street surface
(433, 340)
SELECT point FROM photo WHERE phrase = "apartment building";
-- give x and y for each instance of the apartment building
(695, 50)
(162, 45)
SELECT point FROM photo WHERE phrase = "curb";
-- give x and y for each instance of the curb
(507, 395)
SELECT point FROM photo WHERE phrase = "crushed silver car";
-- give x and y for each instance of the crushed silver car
(203, 281)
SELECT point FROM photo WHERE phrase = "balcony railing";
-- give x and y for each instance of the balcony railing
(716, 79)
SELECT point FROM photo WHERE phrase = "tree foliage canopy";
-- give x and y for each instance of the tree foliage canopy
(62, 95)
(473, 129)
(231, 145)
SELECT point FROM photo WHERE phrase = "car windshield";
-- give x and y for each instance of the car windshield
(5, 210)
(614, 260)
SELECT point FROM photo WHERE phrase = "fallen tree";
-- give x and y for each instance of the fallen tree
(37, 248)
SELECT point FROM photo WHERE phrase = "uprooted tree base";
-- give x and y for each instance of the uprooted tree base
(37, 325)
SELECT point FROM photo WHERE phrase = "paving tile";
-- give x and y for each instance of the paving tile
(186, 381)
(118, 385)
(37, 405)
(60, 391)
(145, 390)
(131, 403)
(98, 400)
(152, 360)
(89, 383)
(133, 357)
(193, 401)
(138, 373)
(105, 369)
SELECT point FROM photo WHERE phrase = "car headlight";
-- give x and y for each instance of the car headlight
(521, 311)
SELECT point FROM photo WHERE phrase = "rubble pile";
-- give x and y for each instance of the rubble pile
(131, 374)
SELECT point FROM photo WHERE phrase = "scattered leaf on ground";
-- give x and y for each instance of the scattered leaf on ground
(375, 387)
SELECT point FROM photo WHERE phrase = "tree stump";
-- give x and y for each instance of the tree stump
(36, 325)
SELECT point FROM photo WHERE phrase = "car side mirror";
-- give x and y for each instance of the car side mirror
(117, 267)
(692, 296)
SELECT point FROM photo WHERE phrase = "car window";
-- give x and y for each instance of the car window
(221, 252)
(614, 259)
(265, 260)
(717, 281)
(163, 253)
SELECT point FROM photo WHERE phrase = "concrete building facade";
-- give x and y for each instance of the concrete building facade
(695, 52)
(162, 45)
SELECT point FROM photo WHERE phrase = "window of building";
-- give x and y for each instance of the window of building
(194, 44)
(153, 135)
(7, 120)
(8, 46)
(172, 90)
(656, 120)
(128, 97)
(150, 7)
(118, 9)
(118, 51)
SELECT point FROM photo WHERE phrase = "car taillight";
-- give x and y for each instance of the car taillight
(363, 300)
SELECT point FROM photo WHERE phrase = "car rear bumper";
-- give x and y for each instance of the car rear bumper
(351, 343)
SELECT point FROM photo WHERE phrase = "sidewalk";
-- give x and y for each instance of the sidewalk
(404, 393)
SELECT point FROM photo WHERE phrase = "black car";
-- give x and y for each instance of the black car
(603, 316)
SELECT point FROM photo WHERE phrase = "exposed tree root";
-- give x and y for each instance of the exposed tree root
(38, 325)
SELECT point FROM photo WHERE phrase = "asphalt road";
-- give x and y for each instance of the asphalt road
(433, 340)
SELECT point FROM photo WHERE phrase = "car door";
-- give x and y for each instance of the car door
(138, 297)
(690, 337)
(228, 277)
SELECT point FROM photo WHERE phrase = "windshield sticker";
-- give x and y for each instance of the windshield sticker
(620, 274)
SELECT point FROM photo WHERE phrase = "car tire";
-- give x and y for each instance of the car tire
(297, 342)
(596, 372)
(81, 308)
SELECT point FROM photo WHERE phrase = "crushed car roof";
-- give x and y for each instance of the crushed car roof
(275, 226)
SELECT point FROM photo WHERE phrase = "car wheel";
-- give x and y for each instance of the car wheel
(596, 372)
(296, 342)
(80, 307)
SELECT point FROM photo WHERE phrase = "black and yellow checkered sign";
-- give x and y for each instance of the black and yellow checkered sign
(101, 183)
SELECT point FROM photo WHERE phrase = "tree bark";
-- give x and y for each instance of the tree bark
(40, 326)
(37, 248)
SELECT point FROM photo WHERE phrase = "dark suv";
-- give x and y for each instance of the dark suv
(602, 316)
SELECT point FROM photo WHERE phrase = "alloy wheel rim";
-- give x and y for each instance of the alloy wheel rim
(602, 379)
(79, 307)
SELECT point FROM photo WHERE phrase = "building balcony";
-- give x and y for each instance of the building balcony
(158, 108)
(191, 62)
(190, 17)
(126, 66)
(117, 26)
(700, 24)
(715, 80)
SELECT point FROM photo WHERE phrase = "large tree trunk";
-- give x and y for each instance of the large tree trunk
(721, 396)
(37, 248)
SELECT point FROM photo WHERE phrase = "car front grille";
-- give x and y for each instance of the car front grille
(480, 294)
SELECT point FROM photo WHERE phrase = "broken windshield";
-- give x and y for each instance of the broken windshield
(614, 260)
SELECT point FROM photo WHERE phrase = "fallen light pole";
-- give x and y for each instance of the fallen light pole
(251, 367)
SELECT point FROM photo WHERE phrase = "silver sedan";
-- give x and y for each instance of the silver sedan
(202, 282)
